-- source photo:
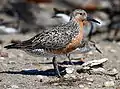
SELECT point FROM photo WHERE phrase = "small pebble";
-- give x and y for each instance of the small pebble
(113, 51)
(2, 58)
(109, 84)
(70, 76)
(81, 86)
(85, 88)
(41, 78)
(11, 62)
(14, 86)
(55, 84)
(89, 83)
(114, 71)
(69, 70)
(98, 69)
(118, 43)
(90, 53)
(89, 79)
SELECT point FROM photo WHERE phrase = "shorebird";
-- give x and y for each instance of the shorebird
(57, 40)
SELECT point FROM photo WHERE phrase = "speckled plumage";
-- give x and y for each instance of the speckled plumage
(53, 38)
(57, 40)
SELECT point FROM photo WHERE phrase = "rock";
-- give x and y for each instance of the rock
(39, 76)
(14, 86)
(85, 88)
(20, 55)
(111, 72)
(70, 76)
(112, 51)
(2, 58)
(81, 86)
(69, 70)
(95, 62)
(89, 79)
(7, 30)
(89, 83)
(109, 84)
(118, 43)
(90, 53)
(11, 62)
(98, 70)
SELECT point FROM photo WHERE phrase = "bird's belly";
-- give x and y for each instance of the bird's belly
(40, 53)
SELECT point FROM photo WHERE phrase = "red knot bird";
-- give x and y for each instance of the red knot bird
(57, 40)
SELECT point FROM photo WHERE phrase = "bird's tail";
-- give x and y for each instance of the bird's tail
(13, 46)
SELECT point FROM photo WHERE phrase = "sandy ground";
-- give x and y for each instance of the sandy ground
(39, 71)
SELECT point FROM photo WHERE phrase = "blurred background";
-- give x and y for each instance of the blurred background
(24, 16)
(22, 19)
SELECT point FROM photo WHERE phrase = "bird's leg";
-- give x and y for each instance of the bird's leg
(68, 56)
(115, 34)
(55, 65)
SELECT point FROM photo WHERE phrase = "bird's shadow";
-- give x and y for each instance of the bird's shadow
(65, 63)
(48, 72)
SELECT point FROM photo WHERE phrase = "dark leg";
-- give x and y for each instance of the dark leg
(109, 30)
(56, 67)
(115, 34)
(68, 56)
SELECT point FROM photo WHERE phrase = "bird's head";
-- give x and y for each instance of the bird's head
(81, 15)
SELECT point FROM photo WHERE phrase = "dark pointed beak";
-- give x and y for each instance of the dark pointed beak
(97, 49)
(93, 20)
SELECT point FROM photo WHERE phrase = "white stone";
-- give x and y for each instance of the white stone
(90, 53)
(90, 79)
(11, 62)
(118, 43)
(109, 84)
(14, 86)
(39, 77)
(70, 76)
(81, 86)
(85, 88)
(2, 58)
(113, 51)
(4, 29)
(115, 70)
(98, 69)
(69, 70)
(95, 62)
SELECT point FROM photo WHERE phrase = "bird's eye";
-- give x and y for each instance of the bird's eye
(80, 13)
(83, 13)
